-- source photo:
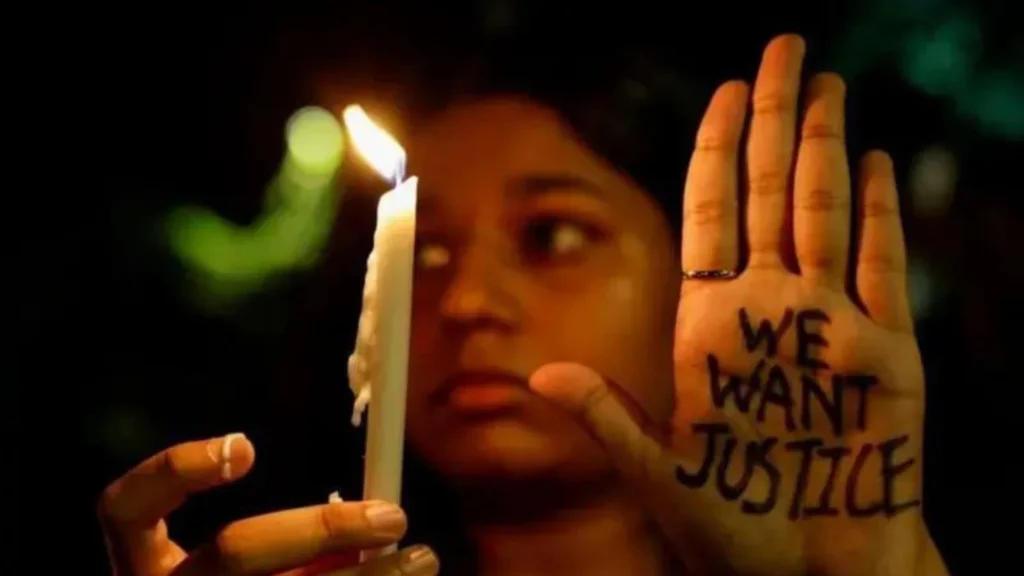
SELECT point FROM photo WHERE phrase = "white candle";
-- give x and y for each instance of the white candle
(379, 366)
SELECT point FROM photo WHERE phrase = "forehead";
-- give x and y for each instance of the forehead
(495, 136)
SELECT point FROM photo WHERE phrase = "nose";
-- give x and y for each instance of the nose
(481, 293)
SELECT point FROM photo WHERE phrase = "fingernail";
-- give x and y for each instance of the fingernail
(231, 449)
(385, 516)
(419, 560)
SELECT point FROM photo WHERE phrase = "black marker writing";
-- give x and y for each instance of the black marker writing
(755, 458)
(890, 470)
(806, 449)
(699, 478)
(824, 507)
(776, 390)
(731, 466)
(805, 338)
(765, 333)
(740, 389)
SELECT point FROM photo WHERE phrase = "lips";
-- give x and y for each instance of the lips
(483, 390)
(480, 377)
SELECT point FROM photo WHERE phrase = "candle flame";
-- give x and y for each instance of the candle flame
(374, 144)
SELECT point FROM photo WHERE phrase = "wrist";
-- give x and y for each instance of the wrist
(929, 560)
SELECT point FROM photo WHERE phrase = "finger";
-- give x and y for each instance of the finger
(160, 484)
(821, 197)
(881, 256)
(284, 540)
(642, 462)
(710, 212)
(585, 394)
(685, 512)
(131, 509)
(411, 561)
(770, 148)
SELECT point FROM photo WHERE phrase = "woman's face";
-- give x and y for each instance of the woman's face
(531, 250)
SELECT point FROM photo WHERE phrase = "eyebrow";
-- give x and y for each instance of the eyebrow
(538, 184)
(528, 186)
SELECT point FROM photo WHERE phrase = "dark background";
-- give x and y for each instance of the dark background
(175, 105)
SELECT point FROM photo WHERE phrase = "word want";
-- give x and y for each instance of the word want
(769, 387)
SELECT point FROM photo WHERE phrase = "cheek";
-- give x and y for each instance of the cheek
(425, 352)
(596, 327)
(624, 331)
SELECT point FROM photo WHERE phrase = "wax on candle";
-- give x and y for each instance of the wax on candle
(378, 368)
(360, 363)
(393, 262)
(395, 210)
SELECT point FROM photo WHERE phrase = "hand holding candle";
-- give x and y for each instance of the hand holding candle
(378, 369)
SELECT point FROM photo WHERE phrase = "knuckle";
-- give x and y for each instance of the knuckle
(341, 522)
(329, 521)
(595, 398)
(709, 211)
(822, 200)
(773, 103)
(822, 131)
(768, 183)
(817, 260)
(881, 263)
(761, 253)
(709, 140)
(591, 404)
(175, 462)
(877, 208)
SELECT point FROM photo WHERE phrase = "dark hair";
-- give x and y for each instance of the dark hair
(630, 101)
(626, 104)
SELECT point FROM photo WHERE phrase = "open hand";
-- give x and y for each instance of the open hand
(295, 542)
(797, 432)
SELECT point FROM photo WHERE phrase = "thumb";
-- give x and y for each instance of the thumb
(645, 464)
(695, 520)
(609, 415)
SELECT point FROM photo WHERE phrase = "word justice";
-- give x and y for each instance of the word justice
(798, 400)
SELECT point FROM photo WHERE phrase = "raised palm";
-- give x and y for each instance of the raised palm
(797, 433)
(805, 409)
(799, 423)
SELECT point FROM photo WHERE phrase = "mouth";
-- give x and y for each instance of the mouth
(483, 392)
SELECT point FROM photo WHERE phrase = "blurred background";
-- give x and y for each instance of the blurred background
(142, 334)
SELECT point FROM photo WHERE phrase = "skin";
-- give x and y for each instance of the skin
(541, 237)
(132, 512)
(500, 303)
(540, 234)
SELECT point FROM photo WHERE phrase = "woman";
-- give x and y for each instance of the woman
(592, 417)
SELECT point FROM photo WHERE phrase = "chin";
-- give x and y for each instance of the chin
(503, 449)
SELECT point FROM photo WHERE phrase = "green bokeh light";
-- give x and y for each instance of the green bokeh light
(228, 263)
(940, 47)
(314, 138)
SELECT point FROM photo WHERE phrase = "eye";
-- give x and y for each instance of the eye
(431, 255)
(556, 238)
